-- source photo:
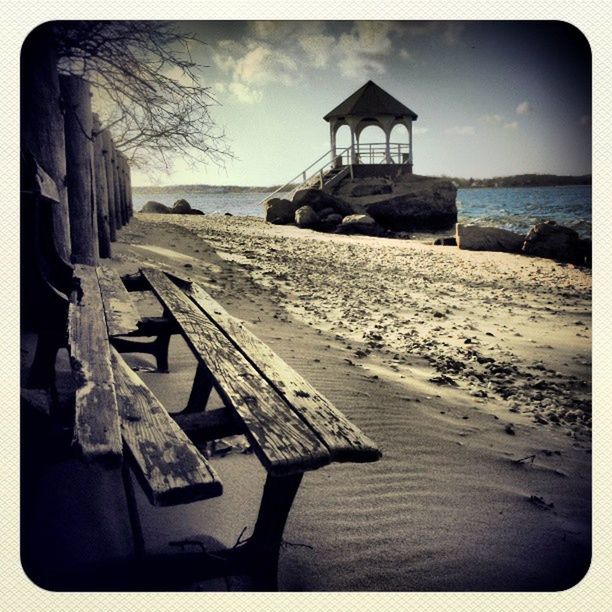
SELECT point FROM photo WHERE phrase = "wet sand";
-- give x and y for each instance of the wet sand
(470, 370)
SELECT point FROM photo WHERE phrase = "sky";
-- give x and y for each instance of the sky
(492, 98)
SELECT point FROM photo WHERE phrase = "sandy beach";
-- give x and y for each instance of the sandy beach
(471, 370)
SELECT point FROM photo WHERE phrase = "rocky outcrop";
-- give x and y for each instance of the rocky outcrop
(477, 238)
(413, 203)
(181, 207)
(305, 216)
(155, 207)
(554, 241)
(359, 224)
(280, 211)
(319, 200)
(374, 186)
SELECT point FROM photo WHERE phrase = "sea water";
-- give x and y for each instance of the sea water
(516, 208)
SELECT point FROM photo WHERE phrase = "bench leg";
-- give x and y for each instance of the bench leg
(158, 348)
(200, 392)
(263, 547)
(42, 371)
(132, 506)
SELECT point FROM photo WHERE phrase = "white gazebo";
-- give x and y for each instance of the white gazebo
(372, 105)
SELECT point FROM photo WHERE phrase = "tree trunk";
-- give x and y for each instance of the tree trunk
(107, 151)
(101, 194)
(42, 123)
(78, 128)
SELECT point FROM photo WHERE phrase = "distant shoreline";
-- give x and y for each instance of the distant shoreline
(518, 180)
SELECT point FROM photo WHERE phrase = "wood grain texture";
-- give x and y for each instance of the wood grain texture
(168, 465)
(345, 441)
(282, 441)
(121, 315)
(96, 429)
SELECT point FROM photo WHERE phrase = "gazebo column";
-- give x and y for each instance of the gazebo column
(409, 127)
(386, 123)
(332, 139)
(352, 123)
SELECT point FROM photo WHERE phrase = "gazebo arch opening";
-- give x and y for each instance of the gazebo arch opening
(371, 144)
(343, 138)
(400, 135)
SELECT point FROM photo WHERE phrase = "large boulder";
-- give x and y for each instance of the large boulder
(155, 207)
(415, 202)
(280, 211)
(319, 200)
(305, 216)
(181, 207)
(477, 238)
(359, 224)
(554, 241)
(374, 186)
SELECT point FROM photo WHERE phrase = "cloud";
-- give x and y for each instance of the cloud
(492, 119)
(584, 120)
(318, 48)
(452, 33)
(251, 65)
(279, 52)
(419, 130)
(524, 108)
(364, 49)
(461, 130)
(511, 126)
(245, 94)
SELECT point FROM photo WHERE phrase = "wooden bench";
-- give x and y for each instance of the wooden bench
(290, 426)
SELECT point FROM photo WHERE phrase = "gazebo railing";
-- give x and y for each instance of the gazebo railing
(376, 153)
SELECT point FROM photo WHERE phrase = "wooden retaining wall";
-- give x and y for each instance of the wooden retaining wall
(59, 130)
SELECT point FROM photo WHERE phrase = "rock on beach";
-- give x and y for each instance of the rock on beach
(476, 238)
(556, 242)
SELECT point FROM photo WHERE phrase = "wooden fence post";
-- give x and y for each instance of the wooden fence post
(78, 128)
(120, 174)
(101, 193)
(42, 123)
(107, 151)
(129, 190)
(117, 188)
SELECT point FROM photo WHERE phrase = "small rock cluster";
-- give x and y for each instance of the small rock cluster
(180, 207)
(545, 239)
(314, 209)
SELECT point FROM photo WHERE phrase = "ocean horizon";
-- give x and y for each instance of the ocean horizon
(512, 208)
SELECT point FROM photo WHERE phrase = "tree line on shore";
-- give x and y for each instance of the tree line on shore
(517, 180)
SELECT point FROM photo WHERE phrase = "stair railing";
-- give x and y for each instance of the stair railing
(305, 178)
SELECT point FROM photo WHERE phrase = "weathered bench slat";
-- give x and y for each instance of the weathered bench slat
(344, 440)
(168, 465)
(96, 429)
(282, 441)
(121, 314)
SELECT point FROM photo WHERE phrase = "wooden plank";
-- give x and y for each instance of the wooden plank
(345, 441)
(168, 465)
(121, 315)
(96, 428)
(282, 441)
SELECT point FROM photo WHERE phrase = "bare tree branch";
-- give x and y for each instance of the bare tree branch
(147, 89)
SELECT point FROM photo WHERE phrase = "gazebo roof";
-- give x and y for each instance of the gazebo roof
(370, 100)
